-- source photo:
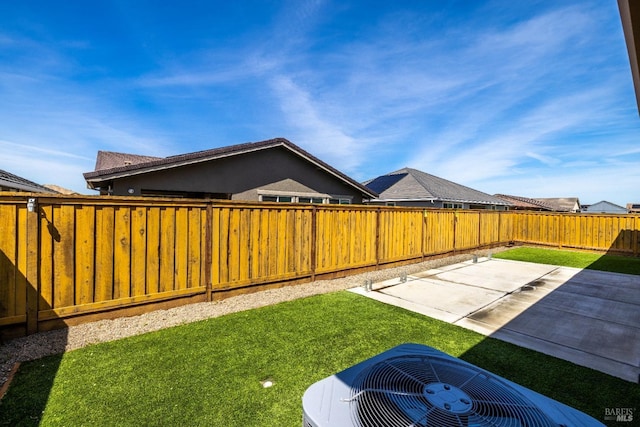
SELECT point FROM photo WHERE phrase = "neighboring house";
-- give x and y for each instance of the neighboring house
(411, 187)
(633, 207)
(11, 182)
(275, 170)
(604, 207)
(525, 204)
(562, 204)
(60, 190)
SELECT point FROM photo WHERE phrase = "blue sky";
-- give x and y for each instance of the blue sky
(529, 98)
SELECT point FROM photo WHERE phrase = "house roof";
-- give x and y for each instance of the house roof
(120, 165)
(525, 202)
(604, 206)
(561, 204)
(630, 16)
(110, 160)
(10, 180)
(409, 184)
(59, 189)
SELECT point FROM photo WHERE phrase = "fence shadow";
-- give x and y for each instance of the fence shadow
(589, 318)
(18, 352)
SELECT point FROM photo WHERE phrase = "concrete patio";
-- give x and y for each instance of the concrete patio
(588, 317)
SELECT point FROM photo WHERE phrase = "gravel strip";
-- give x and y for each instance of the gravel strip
(58, 341)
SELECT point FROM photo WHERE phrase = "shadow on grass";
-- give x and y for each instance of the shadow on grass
(563, 381)
(20, 304)
(30, 392)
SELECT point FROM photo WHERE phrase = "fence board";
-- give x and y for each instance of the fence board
(21, 284)
(85, 254)
(46, 258)
(282, 230)
(181, 248)
(8, 261)
(122, 253)
(255, 250)
(63, 256)
(167, 248)
(104, 253)
(139, 251)
(195, 250)
(153, 251)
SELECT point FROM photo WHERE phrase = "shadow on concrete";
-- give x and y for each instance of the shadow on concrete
(589, 317)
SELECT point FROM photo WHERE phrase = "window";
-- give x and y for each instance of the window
(319, 200)
(184, 194)
(452, 205)
(339, 201)
(280, 199)
(294, 198)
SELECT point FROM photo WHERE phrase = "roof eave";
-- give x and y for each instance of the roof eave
(436, 199)
(630, 17)
(26, 187)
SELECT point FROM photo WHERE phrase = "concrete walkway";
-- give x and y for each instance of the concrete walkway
(588, 317)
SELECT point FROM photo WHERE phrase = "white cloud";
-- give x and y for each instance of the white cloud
(45, 166)
(319, 135)
(472, 100)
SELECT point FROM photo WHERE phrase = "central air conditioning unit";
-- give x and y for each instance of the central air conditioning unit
(419, 386)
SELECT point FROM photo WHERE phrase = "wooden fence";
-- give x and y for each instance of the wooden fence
(66, 259)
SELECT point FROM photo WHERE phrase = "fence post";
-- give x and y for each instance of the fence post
(208, 256)
(635, 235)
(561, 231)
(479, 229)
(455, 220)
(314, 241)
(378, 211)
(423, 235)
(33, 261)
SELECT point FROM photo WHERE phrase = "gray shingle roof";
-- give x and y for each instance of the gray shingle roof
(561, 204)
(7, 179)
(110, 160)
(412, 184)
(525, 202)
(605, 207)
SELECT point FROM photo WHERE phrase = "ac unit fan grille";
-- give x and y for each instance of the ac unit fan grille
(428, 391)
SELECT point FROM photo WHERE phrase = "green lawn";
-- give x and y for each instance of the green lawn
(589, 260)
(210, 372)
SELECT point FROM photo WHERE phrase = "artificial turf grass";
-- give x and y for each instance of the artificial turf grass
(209, 372)
(568, 258)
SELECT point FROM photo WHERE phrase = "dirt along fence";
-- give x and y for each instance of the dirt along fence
(67, 260)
